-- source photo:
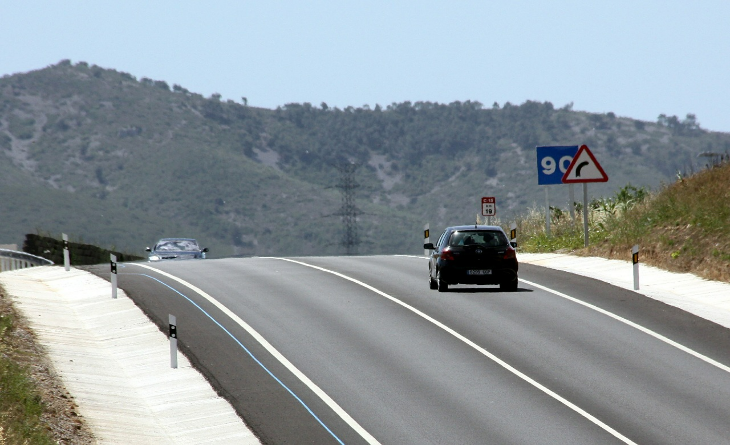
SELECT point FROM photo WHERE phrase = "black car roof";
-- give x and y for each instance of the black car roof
(475, 227)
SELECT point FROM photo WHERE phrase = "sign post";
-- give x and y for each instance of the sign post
(547, 211)
(571, 202)
(584, 168)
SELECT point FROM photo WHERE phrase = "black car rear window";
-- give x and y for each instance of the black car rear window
(484, 238)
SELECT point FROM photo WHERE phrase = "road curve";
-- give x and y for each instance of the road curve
(387, 360)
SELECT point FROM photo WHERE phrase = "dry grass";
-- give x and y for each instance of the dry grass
(684, 227)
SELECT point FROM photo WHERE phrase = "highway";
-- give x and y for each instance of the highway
(359, 350)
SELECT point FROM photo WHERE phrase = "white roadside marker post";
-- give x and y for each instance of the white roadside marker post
(426, 239)
(513, 232)
(66, 257)
(173, 341)
(635, 260)
(113, 259)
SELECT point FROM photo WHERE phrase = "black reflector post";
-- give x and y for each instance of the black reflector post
(113, 262)
(66, 256)
(173, 341)
(635, 260)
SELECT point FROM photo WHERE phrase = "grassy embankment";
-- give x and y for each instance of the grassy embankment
(683, 227)
(21, 405)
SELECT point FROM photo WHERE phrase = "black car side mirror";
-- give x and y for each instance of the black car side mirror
(513, 244)
(428, 246)
(205, 250)
(148, 249)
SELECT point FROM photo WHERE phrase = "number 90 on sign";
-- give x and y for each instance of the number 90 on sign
(549, 164)
(553, 162)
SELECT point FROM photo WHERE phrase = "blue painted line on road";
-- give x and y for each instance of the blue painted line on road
(247, 351)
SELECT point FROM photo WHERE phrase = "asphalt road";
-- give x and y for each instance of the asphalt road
(566, 359)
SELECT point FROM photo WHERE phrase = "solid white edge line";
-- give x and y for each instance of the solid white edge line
(647, 331)
(478, 348)
(276, 354)
(633, 325)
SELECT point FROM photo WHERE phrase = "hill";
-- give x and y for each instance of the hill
(120, 162)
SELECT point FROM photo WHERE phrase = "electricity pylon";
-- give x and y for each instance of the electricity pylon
(349, 211)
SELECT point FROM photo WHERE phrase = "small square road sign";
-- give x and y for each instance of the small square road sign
(489, 206)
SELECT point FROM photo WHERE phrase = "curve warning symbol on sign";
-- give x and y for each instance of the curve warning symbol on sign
(584, 168)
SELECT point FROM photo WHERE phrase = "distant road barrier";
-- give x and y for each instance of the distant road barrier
(13, 260)
(80, 254)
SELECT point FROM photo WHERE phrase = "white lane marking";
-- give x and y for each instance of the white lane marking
(276, 354)
(647, 331)
(633, 325)
(478, 348)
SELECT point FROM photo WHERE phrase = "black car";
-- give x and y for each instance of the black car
(176, 249)
(472, 255)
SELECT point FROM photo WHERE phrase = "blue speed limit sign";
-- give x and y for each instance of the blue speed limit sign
(553, 162)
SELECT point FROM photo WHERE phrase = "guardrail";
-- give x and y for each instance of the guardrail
(13, 260)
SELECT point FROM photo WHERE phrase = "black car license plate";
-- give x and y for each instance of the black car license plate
(479, 272)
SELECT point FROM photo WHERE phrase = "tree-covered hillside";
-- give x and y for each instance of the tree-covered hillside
(108, 158)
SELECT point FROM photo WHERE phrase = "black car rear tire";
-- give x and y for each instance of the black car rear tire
(509, 286)
(441, 284)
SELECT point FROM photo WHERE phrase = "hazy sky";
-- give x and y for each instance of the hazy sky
(636, 58)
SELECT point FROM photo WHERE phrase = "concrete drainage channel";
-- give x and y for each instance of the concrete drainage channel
(116, 363)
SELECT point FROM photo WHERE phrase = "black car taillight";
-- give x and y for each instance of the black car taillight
(510, 254)
(447, 255)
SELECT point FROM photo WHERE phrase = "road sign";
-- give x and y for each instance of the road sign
(553, 162)
(584, 168)
(489, 206)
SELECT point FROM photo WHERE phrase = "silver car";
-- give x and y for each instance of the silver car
(176, 249)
